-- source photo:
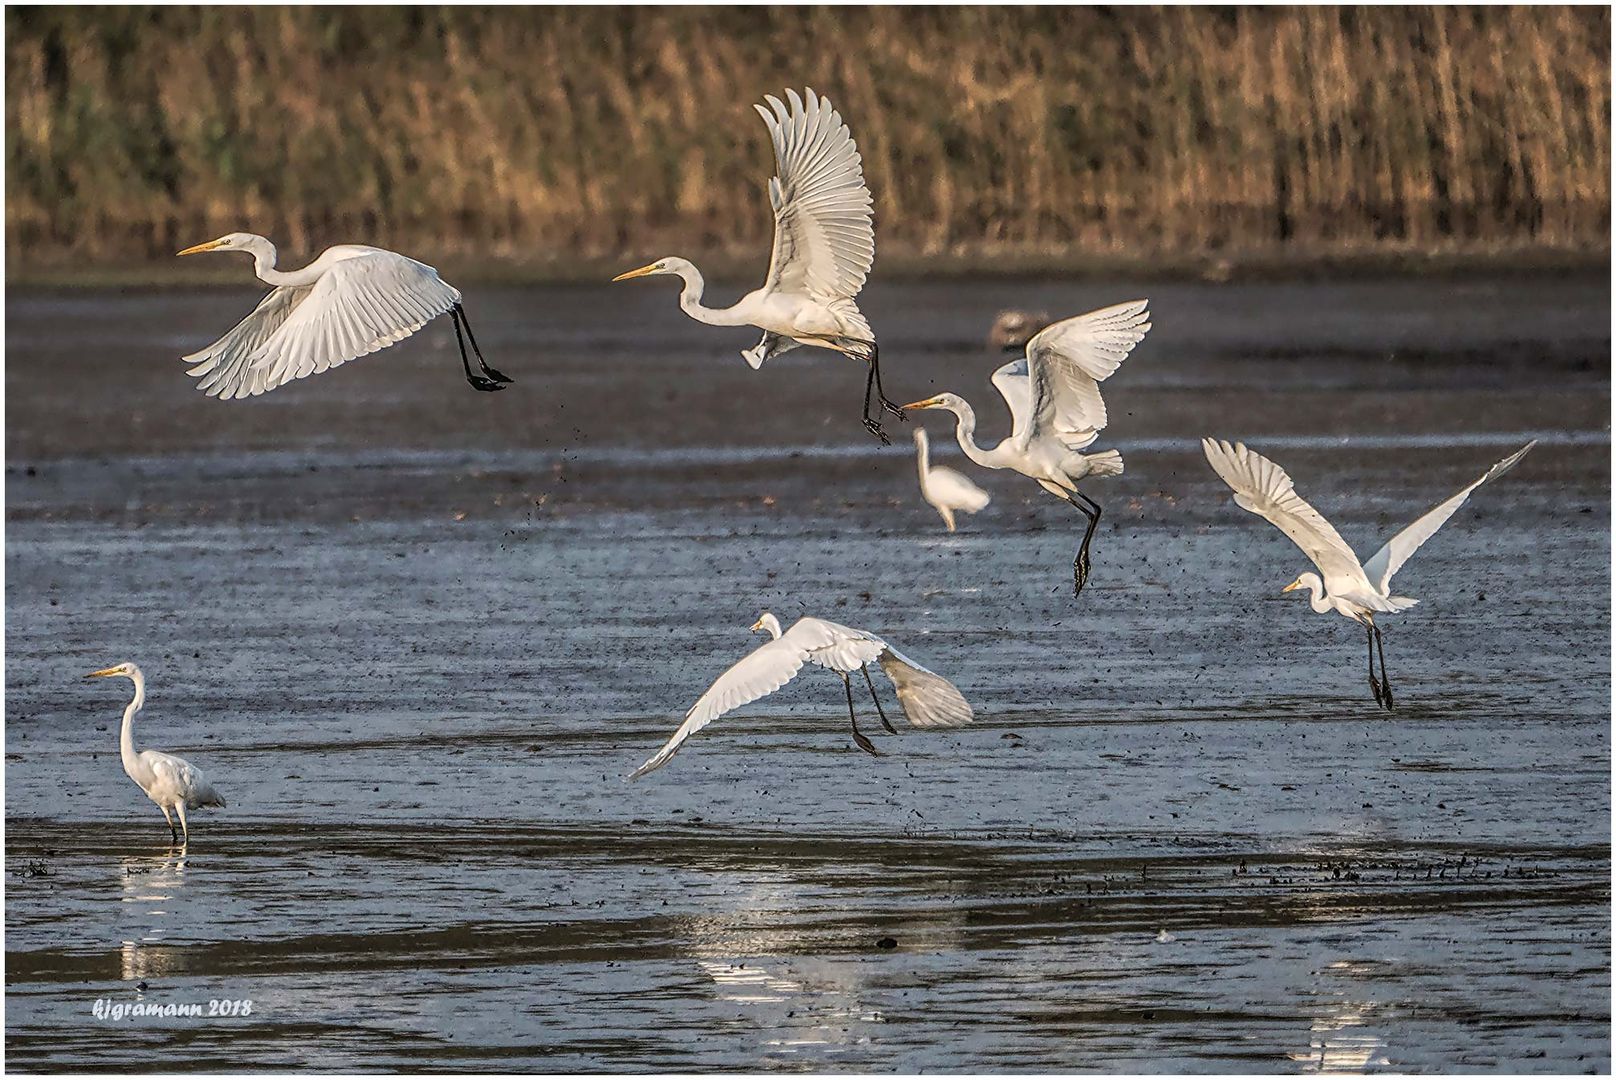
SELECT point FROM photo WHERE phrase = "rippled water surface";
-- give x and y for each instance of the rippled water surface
(419, 636)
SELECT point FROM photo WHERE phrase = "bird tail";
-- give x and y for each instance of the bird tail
(1401, 603)
(1107, 464)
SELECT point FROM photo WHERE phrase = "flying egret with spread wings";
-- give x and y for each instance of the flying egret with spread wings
(945, 489)
(824, 246)
(928, 699)
(349, 302)
(173, 783)
(1357, 591)
(1054, 398)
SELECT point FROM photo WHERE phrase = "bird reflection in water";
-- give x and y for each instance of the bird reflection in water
(149, 883)
(1342, 1040)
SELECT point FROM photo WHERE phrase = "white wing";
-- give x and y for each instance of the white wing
(1067, 361)
(1389, 559)
(225, 364)
(832, 645)
(360, 305)
(824, 238)
(1015, 386)
(1263, 488)
(758, 674)
(928, 699)
(176, 777)
(955, 490)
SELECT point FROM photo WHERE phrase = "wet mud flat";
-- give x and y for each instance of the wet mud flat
(419, 636)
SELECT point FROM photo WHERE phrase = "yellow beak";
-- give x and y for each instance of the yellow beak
(1292, 585)
(755, 627)
(195, 249)
(641, 272)
(103, 673)
(929, 403)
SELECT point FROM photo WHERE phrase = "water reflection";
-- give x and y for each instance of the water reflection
(1341, 1039)
(150, 884)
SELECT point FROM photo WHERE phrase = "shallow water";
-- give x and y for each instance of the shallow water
(419, 636)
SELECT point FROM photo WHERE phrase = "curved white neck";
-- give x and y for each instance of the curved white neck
(126, 737)
(690, 302)
(264, 257)
(965, 435)
(922, 456)
(1315, 595)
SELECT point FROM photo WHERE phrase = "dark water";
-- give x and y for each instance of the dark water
(418, 636)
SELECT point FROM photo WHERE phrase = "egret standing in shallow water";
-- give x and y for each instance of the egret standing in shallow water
(173, 783)
(349, 302)
(1054, 398)
(1353, 590)
(945, 489)
(824, 246)
(928, 699)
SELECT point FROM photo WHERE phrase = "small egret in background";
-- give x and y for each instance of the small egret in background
(1013, 328)
(824, 246)
(349, 302)
(173, 783)
(944, 488)
(928, 699)
(1054, 398)
(1350, 589)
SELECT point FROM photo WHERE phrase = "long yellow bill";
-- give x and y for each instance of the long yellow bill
(194, 249)
(928, 403)
(641, 272)
(103, 673)
(1292, 585)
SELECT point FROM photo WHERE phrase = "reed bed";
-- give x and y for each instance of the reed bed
(530, 134)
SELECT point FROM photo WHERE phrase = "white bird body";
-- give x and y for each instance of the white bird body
(349, 302)
(928, 699)
(945, 489)
(824, 246)
(171, 782)
(1054, 397)
(1352, 589)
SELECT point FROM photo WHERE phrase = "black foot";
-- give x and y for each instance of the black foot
(1386, 694)
(478, 382)
(894, 410)
(1380, 695)
(865, 744)
(1080, 573)
(888, 725)
(874, 428)
(496, 376)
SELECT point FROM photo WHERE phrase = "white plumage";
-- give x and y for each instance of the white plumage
(945, 489)
(928, 699)
(349, 302)
(171, 782)
(1055, 405)
(824, 246)
(1354, 590)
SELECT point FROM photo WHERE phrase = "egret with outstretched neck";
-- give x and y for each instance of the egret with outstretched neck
(173, 783)
(351, 301)
(945, 489)
(1055, 404)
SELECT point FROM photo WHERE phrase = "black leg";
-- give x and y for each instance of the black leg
(858, 736)
(1385, 679)
(1080, 564)
(880, 392)
(872, 426)
(878, 709)
(478, 382)
(1374, 683)
(488, 371)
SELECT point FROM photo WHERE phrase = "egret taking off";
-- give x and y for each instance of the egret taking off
(1055, 405)
(348, 303)
(1357, 591)
(944, 488)
(928, 699)
(173, 783)
(824, 245)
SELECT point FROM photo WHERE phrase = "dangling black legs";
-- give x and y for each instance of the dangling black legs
(1385, 679)
(871, 425)
(485, 378)
(1080, 564)
(1374, 683)
(878, 709)
(870, 353)
(880, 392)
(859, 740)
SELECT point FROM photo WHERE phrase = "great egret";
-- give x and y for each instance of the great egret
(171, 782)
(824, 245)
(1350, 589)
(350, 302)
(944, 488)
(928, 699)
(1054, 398)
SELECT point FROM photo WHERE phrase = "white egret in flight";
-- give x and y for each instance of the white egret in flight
(1055, 405)
(1357, 591)
(824, 245)
(173, 783)
(928, 699)
(945, 489)
(350, 302)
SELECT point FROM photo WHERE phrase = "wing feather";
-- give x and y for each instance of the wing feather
(824, 234)
(1066, 362)
(1266, 490)
(1390, 558)
(226, 363)
(928, 699)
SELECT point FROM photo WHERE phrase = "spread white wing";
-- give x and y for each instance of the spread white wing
(824, 236)
(1389, 559)
(1066, 362)
(928, 699)
(360, 305)
(1015, 386)
(1264, 488)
